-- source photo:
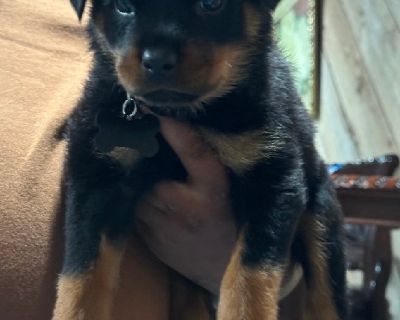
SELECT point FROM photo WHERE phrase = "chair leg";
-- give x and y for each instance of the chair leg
(381, 273)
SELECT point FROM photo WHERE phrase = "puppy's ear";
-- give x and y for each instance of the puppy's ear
(79, 6)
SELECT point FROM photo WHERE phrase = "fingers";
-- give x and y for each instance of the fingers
(158, 223)
(187, 232)
(174, 202)
(166, 196)
(198, 159)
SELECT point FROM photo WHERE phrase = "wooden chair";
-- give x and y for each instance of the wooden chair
(370, 198)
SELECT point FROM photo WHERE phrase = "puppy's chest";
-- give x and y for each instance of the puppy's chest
(239, 151)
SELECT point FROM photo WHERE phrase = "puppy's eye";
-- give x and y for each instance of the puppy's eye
(124, 7)
(210, 6)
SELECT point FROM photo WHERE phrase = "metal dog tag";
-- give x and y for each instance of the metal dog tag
(138, 134)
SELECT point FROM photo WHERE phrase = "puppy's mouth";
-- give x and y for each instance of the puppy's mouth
(168, 98)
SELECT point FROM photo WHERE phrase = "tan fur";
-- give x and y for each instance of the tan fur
(228, 70)
(230, 61)
(249, 294)
(90, 296)
(128, 68)
(127, 157)
(319, 295)
(242, 151)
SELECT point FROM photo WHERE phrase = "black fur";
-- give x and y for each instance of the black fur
(79, 6)
(269, 199)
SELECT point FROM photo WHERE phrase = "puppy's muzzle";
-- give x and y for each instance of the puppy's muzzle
(159, 64)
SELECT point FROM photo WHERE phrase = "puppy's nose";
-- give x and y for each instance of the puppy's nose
(159, 61)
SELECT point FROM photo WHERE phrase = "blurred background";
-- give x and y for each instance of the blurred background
(345, 56)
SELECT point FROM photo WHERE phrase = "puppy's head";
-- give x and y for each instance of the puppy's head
(180, 52)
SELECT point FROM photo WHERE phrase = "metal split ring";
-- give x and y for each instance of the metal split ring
(127, 102)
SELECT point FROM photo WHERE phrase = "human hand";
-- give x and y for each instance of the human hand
(189, 226)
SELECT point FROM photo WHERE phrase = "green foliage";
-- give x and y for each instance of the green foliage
(295, 37)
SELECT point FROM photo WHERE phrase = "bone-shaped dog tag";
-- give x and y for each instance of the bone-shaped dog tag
(138, 134)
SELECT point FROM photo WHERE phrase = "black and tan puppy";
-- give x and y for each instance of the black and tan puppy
(214, 65)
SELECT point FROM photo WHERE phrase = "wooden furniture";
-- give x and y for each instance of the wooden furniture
(370, 199)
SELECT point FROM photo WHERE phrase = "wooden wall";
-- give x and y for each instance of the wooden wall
(360, 89)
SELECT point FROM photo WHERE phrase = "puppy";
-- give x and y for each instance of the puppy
(212, 64)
